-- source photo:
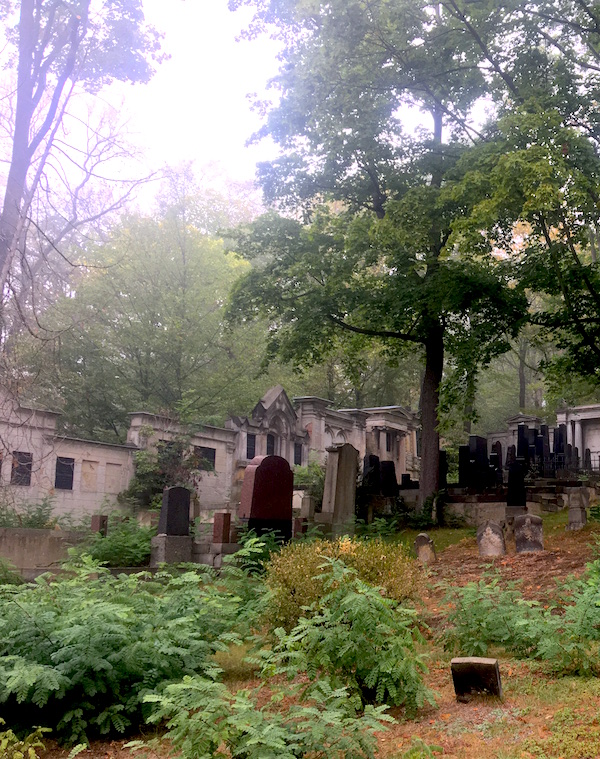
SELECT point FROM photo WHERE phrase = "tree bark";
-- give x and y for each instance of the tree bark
(429, 478)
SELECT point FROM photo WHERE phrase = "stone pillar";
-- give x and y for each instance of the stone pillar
(569, 433)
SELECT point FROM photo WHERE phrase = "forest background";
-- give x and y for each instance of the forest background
(450, 268)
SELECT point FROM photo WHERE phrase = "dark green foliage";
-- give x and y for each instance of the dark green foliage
(80, 653)
(170, 464)
(203, 716)
(358, 639)
(126, 544)
(255, 551)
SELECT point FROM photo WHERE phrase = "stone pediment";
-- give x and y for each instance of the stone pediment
(274, 403)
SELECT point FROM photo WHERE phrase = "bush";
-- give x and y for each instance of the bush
(295, 579)
(312, 479)
(79, 653)
(126, 544)
(359, 640)
(203, 717)
(34, 515)
(12, 747)
(8, 574)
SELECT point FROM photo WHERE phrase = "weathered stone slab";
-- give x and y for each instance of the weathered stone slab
(170, 549)
(490, 540)
(425, 549)
(529, 534)
(475, 674)
(340, 486)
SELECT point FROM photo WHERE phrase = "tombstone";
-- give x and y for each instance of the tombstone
(100, 523)
(475, 674)
(497, 449)
(221, 528)
(371, 480)
(577, 510)
(523, 442)
(389, 483)
(300, 526)
(464, 466)
(479, 462)
(496, 478)
(587, 460)
(516, 495)
(425, 549)
(266, 498)
(340, 487)
(569, 457)
(443, 483)
(511, 455)
(529, 534)
(490, 540)
(175, 512)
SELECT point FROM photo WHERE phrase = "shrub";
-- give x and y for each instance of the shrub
(126, 544)
(295, 578)
(359, 640)
(31, 515)
(79, 653)
(8, 574)
(204, 717)
(312, 479)
(12, 747)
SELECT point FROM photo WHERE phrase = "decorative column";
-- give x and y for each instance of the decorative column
(579, 440)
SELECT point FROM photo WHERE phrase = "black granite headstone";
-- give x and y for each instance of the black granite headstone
(516, 495)
(497, 448)
(175, 512)
(371, 475)
(523, 442)
(587, 461)
(389, 483)
(511, 455)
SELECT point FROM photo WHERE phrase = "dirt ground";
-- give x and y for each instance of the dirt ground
(539, 716)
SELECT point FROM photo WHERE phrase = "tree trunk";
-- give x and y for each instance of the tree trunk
(522, 377)
(429, 478)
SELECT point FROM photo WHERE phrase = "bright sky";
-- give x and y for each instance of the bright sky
(196, 108)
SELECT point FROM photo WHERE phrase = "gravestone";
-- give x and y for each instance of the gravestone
(475, 674)
(389, 483)
(577, 510)
(490, 540)
(100, 523)
(443, 481)
(174, 516)
(266, 498)
(221, 528)
(497, 449)
(529, 534)
(479, 464)
(516, 496)
(464, 466)
(371, 480)
(511, 455)
(523, 442)
(425, 549)
(587, 459)
(339, 494)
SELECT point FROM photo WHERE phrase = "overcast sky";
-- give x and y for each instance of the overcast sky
(196, 107)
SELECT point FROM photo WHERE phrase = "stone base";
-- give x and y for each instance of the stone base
(170, 549)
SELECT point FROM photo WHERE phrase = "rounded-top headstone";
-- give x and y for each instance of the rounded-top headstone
(490, 540)
(425, 549)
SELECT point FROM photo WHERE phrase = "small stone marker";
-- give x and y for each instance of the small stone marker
(175, 512)
(529, 534)
(577, 510)
(490, 540)
(425, 549)
(475, 674)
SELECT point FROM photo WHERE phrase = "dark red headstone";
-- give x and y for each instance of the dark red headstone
(221, 528)
(266, 500)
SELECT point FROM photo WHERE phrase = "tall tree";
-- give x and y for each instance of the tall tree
(387, 257)
(55, 46)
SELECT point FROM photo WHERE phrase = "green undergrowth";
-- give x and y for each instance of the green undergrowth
(564, 634)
